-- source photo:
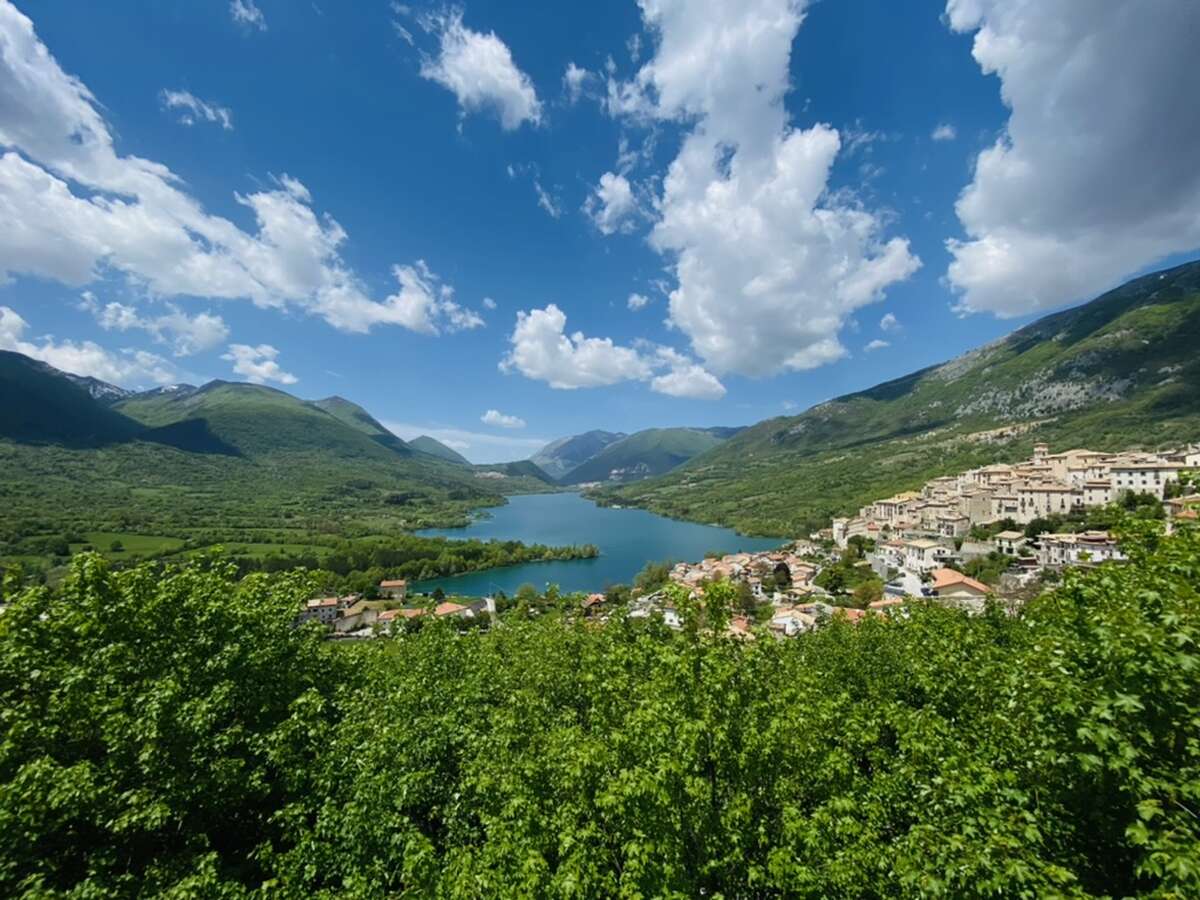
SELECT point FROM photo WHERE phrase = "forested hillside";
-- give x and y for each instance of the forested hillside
(173, 734)
(226, 462)
(1122, 371)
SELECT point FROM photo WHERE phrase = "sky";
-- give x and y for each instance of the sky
(501, 223)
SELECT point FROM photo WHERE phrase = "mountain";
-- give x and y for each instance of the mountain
(559, 457)
(222, 462)
(523, 468)
(432, 447)
(359, 419)
(40, 404)
(647, 453)
(1119, 372)
(97, 389)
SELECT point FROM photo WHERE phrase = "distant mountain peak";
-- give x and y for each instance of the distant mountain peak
(434, 447)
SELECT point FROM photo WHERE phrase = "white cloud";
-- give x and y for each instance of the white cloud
(186, 334)
(575, 80)
(637, 301)
(768, 263)
(130, 368)
(479, 70)
(245, 12)
(685, 378)
(422, 304)
(944, 132)
(1095, 175)
(193, 109)
(75, 210)
(611, 205)
(489, 303)
(889, 322)
(542, 350)
(500, 420)
(876, 344)
(258, 364)
(477, 446)
(551, 206)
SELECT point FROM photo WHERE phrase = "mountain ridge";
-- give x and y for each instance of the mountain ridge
(652, 451)
(1119, 371)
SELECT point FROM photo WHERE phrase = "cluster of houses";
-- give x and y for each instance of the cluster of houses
(1046, 484)
(920, 539)
(353, 617)
(918, 532)
(785, 580)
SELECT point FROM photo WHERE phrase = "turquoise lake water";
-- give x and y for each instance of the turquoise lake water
(627, 538)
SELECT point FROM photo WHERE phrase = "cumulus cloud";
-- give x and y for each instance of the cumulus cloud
(500, 420)
(423, 304)
(542, 350)
(186, 334)
(944, 132)
(611, 205)
(130, 368)
(246, 13)
(685, 378)
(876, 344)
(192, 109)
(637, 301)
(768, 263)
(75, 210)
(1095, 175)
(479, 70)
(489, 303)
(889, 322)
(258, 364)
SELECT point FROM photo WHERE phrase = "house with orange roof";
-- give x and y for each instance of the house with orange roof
(957, 589)
(394, 590)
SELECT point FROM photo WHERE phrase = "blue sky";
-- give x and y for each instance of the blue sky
(724, 212)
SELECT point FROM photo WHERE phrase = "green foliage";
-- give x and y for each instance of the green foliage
(653, 576)
(153, 725)
(175, 735)
(987, 569)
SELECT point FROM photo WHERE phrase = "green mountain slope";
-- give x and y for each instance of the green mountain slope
(40, 404)
(647, 453)
(432, 447)
(257, 421)
(358, 418)
(224, 462)
(1121, 371)
(559, 457)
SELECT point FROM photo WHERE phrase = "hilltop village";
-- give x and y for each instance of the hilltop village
(993, 531)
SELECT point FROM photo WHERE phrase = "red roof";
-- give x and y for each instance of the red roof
(448, 608)
(947, 578)
(394, 584)
(849, 613)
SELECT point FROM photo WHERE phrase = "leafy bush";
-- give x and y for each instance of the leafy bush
(177, 734)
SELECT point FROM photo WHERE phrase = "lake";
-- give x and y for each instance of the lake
(627, 538)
